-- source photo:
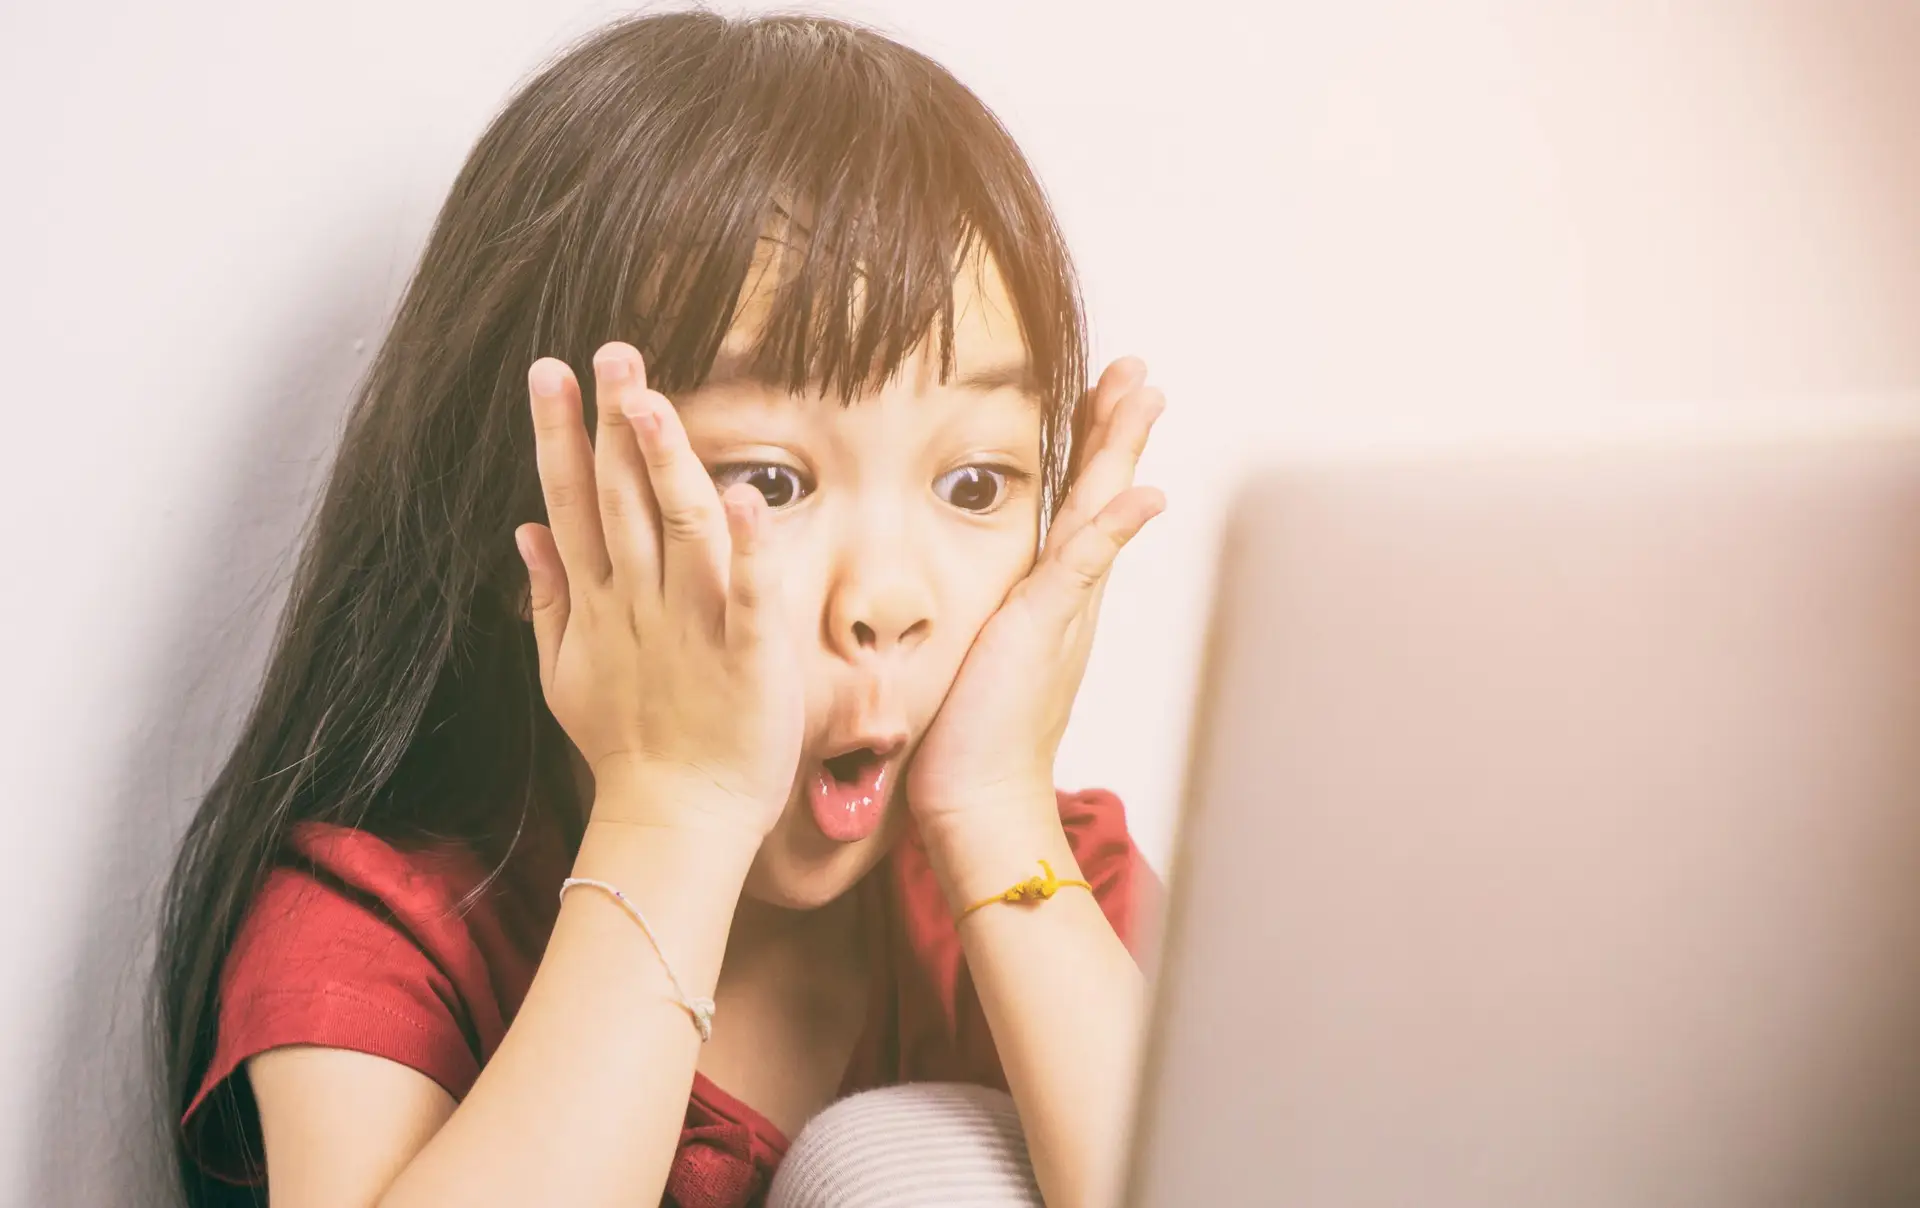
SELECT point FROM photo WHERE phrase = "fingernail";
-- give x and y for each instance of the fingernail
(546, 379)
(614, 368)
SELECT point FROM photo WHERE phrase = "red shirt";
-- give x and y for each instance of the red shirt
(355, 944)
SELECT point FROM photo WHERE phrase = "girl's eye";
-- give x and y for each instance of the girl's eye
(781, 486)
(972, 488)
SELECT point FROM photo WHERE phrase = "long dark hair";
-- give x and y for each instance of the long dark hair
(620, 194)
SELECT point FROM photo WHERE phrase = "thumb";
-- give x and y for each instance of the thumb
(547, 595)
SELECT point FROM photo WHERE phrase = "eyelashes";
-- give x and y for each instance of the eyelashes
(977, 488)
(781, 486)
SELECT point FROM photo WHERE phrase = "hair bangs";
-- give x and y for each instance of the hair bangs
(852, 179)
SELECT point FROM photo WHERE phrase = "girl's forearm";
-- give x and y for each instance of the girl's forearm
(1065, 1001)
(584, 1100)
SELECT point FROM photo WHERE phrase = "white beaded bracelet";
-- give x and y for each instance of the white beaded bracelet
(700, 1008)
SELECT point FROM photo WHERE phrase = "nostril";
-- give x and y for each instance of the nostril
(867, 637)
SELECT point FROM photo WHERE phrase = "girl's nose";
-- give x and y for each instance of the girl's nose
(879, 607)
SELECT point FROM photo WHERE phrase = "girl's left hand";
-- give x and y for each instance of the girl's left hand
(987, 759)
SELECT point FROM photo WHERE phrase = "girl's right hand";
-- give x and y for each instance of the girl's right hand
(663, 649)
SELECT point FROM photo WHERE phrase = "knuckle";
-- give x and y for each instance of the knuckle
(664, 449)
(615, 503)
(563, 495)
(684, 524)
(1091, 560)
(1073, 514)
(1085, 574)
(742, 635)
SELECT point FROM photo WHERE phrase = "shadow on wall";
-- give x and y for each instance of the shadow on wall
(102, 1135)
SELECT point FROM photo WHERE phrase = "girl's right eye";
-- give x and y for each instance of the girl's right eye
(781, 486)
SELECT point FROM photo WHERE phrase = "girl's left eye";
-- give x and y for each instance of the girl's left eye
(973, 488)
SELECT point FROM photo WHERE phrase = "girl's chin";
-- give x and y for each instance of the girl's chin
(798, 868)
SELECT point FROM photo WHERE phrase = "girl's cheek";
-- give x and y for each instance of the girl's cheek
(980, 573)
(803, 582)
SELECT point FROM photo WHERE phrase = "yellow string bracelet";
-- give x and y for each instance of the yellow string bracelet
(1033, 889)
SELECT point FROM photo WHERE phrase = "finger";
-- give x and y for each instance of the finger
(564, 458)
(1116, 381)
(1110, 467)
(1090, 423)
(749, 575)
(628, 513)
(692, 525)
(1071, 578)
(547, 597)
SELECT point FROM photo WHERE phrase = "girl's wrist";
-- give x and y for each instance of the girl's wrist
(648, 798)
(983, 850)
(641, 828)
(698, 861)
(687, 881)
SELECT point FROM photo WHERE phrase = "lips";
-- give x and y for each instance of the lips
(848, 792)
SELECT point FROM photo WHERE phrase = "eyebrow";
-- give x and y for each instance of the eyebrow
(731, 367)
(1015, 375)
(792, 222)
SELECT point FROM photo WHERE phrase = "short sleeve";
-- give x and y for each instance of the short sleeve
(1123, 882)
(319, 960)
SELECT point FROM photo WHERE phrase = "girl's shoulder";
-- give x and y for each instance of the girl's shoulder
(347, 913)
(417, 955)
(323, 860)
(343, 899)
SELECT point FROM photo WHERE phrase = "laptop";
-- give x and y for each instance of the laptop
(1552, 837)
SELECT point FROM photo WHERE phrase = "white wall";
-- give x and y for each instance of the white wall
(1349, 226)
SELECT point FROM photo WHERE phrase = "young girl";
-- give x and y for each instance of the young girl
(590, 874)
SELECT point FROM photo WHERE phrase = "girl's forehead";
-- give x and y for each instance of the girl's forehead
(986, 328)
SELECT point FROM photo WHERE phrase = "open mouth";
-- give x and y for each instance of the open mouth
(848, 793)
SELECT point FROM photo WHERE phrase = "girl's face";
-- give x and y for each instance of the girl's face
(901, 522)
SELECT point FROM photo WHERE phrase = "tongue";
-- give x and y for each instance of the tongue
(849, 810)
